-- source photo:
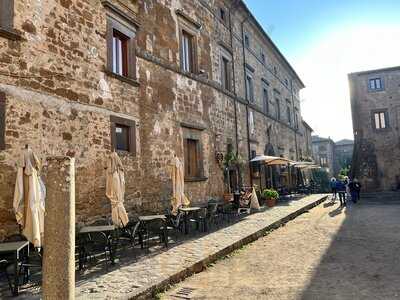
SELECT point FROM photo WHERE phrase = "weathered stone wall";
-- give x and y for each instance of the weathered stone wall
(377, 155)
(59, 99)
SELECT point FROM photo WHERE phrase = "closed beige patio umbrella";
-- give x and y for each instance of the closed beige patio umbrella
(29, 197)
(178, 186)
(115, 190)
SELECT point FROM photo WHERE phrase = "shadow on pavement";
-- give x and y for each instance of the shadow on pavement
(363, 260)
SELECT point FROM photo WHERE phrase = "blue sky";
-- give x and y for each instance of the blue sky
(324, 40)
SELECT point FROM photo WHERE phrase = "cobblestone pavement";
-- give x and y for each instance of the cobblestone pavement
(133, 280)
(328, 253)
(137, 274)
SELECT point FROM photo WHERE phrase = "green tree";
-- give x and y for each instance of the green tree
(321, 179)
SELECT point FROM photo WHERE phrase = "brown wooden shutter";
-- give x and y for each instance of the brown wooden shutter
(109, 38)
(132, 58)
(186, 154)
(193, 45)
(2, 120)
(113, 138)
(6, 14)
(132, 137)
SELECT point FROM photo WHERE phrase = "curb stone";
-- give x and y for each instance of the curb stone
(149, 292)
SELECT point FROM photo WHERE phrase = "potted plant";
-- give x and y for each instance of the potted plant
(270, 195)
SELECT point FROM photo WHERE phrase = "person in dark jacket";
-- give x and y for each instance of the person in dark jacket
(341, 190)
(333, 187)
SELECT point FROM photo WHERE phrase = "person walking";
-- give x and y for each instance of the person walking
(357, 188)
(341, 190)
(352, 189)
(333, 187)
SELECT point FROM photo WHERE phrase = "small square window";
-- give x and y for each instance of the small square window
(123, 137)
(286, 82)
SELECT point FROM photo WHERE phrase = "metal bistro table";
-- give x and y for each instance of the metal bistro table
(16, 248)
(187, 211)
(103, 229)
(145, 220)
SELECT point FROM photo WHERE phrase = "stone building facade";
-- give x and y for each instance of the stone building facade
(324, 153)
(375, 104)
(343, 155)
(152, 79)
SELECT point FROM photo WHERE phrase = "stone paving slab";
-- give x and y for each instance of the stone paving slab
(140, 280)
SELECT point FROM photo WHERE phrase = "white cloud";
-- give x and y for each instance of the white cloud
(324, 68)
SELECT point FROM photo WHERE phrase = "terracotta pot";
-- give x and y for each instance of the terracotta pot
(271, 202)
(228, 197)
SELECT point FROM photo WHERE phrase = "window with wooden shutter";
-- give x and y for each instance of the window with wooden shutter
(278, 109)
(192, 169)
(226, 73)
(123, 134)
(2, 120)
(188, 52)
(121, 43)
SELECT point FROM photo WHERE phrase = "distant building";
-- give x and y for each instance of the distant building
(375, 104)
(343, 155)
(330, 155)
(324, 153)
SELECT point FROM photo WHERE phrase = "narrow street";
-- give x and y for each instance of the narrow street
(327, 253)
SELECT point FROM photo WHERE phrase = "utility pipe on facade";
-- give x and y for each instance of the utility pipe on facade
(246, 93)
(234, 3)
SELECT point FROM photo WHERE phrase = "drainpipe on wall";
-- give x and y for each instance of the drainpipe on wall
(295, 130)
(245, 88)
(234, 78)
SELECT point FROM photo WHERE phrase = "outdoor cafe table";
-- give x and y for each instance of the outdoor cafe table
(187, 211)
(15, 248)
(145, 220)
(106, 229)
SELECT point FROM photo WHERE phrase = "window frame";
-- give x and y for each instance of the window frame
(249, 88)
(263, 58)
(380, 113)
(265, 100)
(129, 31)
(374, 80)
(7, 20)
(246, 39)
(278, 109)
(191, 132)
(184, 32)
(289, 114)
(131, 124)
(226, 73)
(2, 120)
